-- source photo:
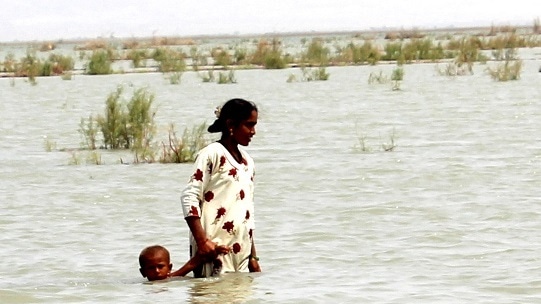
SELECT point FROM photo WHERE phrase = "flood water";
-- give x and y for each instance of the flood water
(451, 215)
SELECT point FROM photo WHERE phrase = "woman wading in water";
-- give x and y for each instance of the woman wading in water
(218, 200)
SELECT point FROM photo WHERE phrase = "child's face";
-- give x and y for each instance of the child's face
(156, 266)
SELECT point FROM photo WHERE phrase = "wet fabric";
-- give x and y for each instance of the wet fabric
(220, 192)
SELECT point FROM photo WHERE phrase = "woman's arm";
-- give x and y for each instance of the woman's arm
(253, 262)
(205, 246)
(192, 196)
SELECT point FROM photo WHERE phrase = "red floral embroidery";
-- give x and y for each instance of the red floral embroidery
(228, 226)
(241, 194)
(247, 217)
(236, 248)
(209, 196)
(233, 172)
(193, 211)
(222, 161)
(220, 213)
(198, 175)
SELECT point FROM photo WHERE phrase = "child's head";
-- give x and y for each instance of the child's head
(155, 263)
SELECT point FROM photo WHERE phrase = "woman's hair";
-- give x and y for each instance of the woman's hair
(236, 109)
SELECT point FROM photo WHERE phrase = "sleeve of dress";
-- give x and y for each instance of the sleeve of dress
(192, 195)
(251, 222)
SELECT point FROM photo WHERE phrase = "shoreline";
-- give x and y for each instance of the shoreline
(192, 38)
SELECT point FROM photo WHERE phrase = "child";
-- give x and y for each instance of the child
(155, 262)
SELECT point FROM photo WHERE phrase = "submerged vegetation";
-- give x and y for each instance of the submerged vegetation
(363, 145)
(123, 125)
(99, 63)
(129, 125)
(459, 50)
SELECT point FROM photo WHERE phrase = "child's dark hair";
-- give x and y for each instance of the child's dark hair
(236, 109)
(151, 250)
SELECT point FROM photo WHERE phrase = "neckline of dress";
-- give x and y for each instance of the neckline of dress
(230, 156)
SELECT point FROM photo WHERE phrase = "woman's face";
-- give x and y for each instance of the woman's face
(245, 130)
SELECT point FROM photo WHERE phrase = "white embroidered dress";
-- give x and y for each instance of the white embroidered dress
(220, 192)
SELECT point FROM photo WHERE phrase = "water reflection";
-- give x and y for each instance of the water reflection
(228, 288)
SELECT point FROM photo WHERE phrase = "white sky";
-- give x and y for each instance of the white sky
(65, 19)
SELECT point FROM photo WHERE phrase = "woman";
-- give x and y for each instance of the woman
(218, 200)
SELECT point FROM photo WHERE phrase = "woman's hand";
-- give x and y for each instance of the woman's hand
(206, 249)
(253, 265)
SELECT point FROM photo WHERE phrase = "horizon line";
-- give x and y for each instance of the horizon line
(370, 30)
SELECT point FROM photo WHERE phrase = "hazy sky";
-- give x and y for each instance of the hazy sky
(64, 19)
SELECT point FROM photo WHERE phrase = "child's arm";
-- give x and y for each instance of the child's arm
(196, 261)
(187, 267)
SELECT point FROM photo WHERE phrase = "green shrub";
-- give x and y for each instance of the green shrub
(141, 126)
(396, 77)
(452, 69)
(89, 131)
(61, 63)
(392, 51)
(258, 56)
(29, 66)
(367, 53)
(240, 56)
(184, 149)
(221, 57)
(197, 58)
(113, 124)
(316, 53)
(10, 63)
(269, 55)
(46, 69)
(130, 125)
(509, 70)
(169, 60)
(314, 74)
(137, 57)
(274, 60)
(124, 125)
(468, 53)
(99, 64)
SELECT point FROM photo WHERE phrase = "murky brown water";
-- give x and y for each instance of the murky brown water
(452, 215)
